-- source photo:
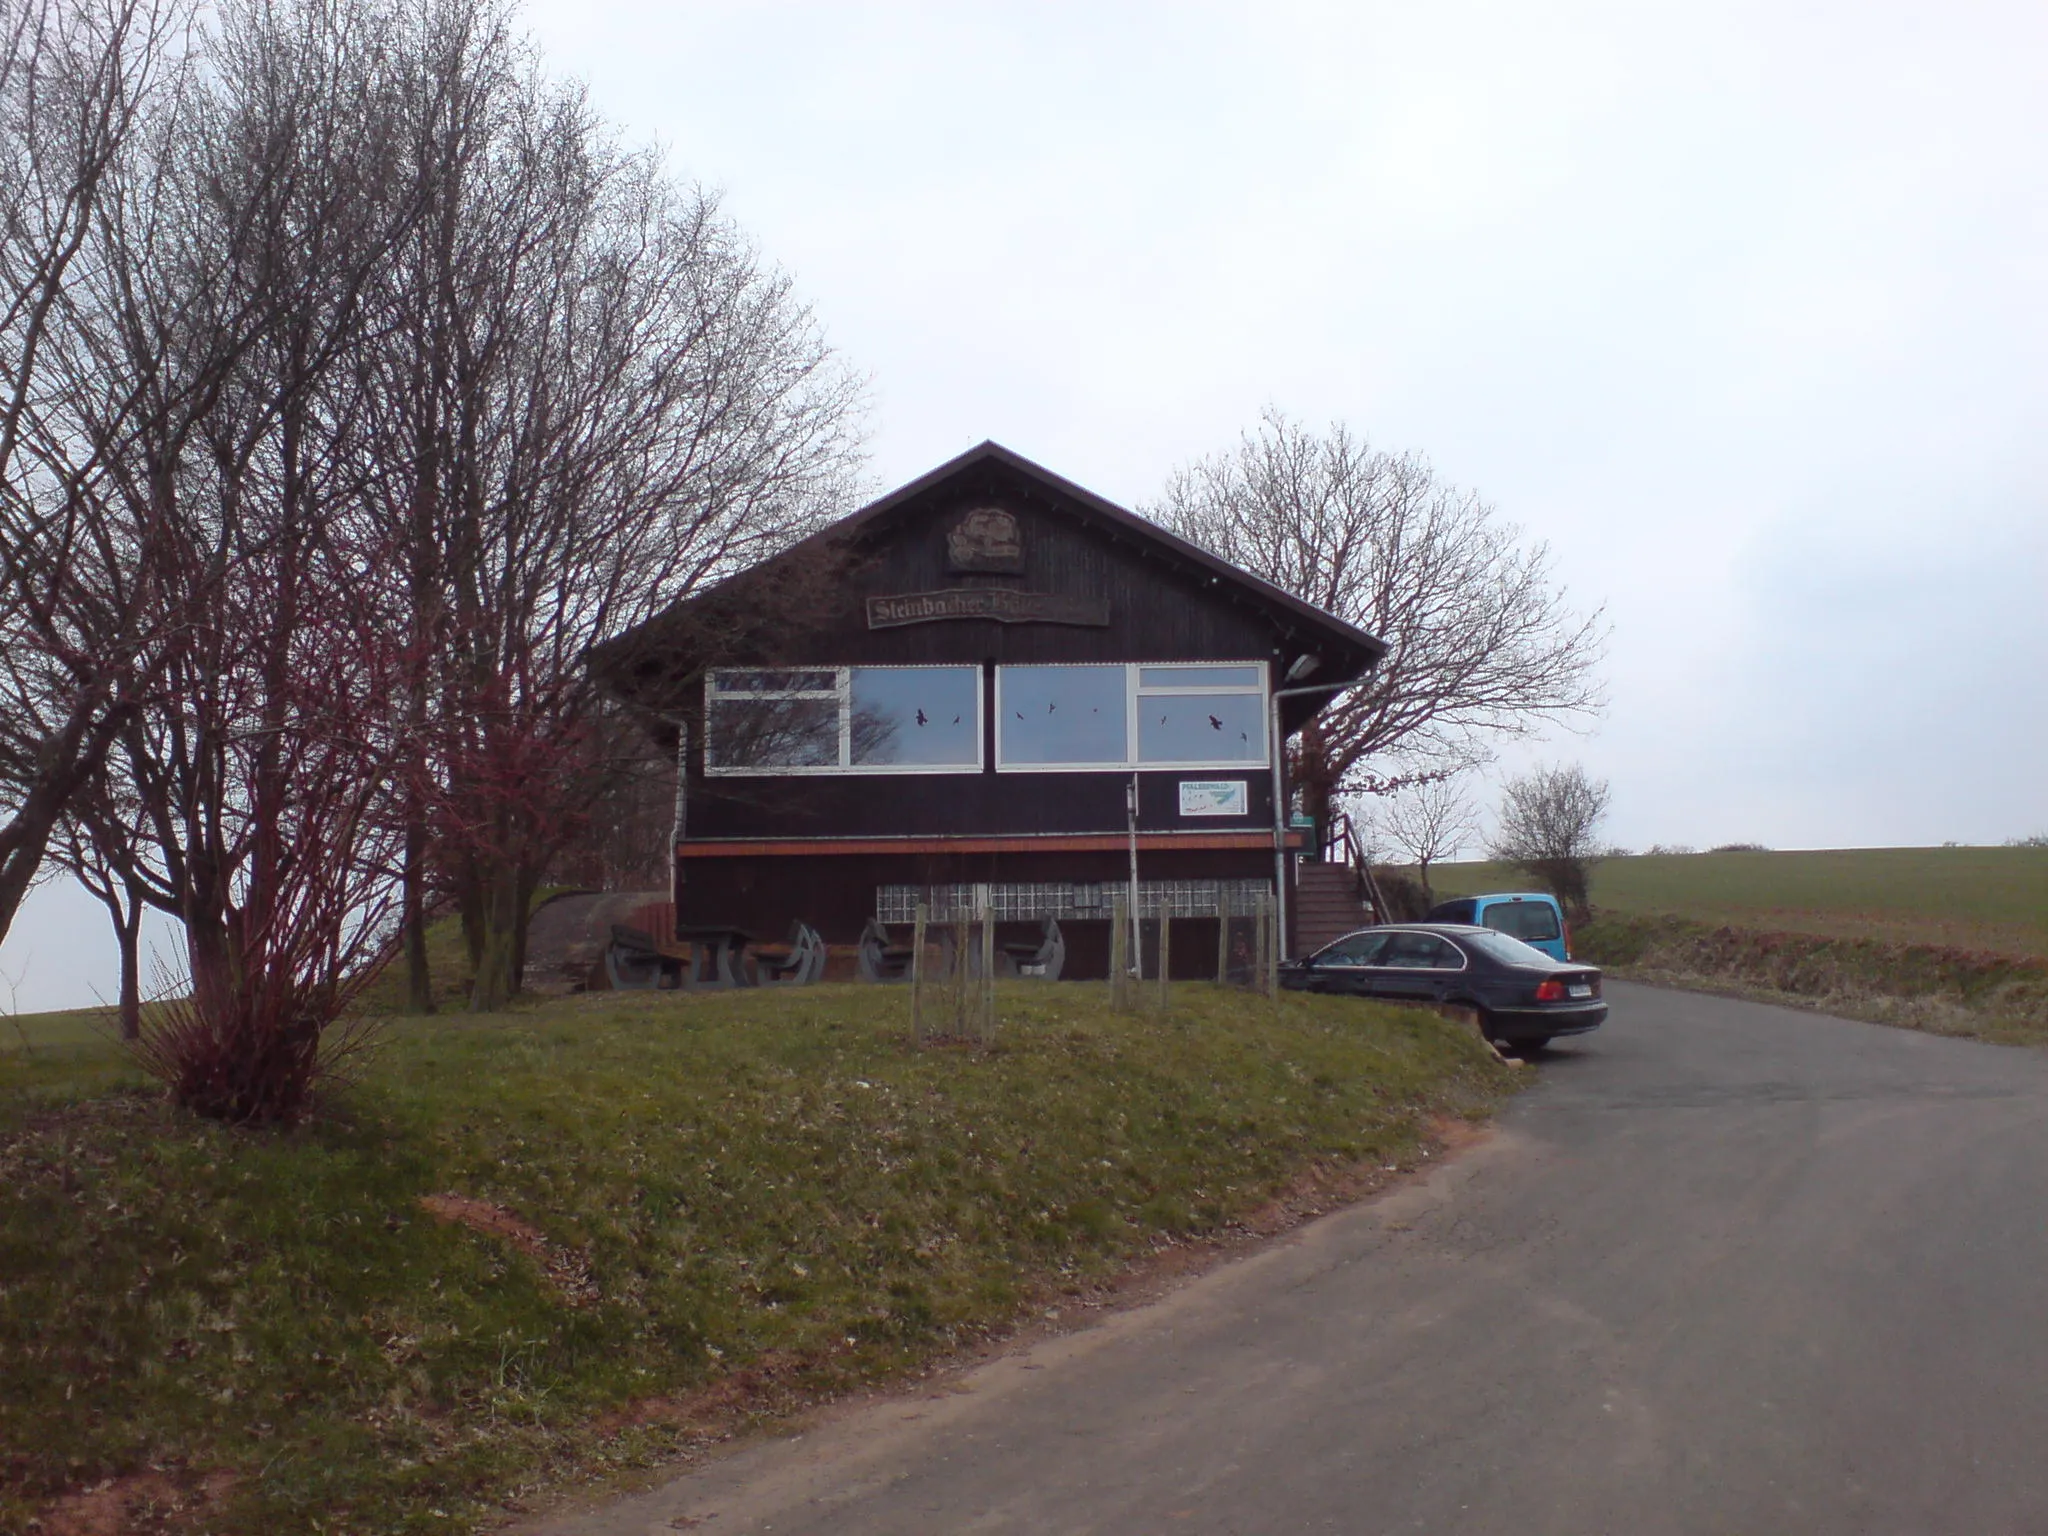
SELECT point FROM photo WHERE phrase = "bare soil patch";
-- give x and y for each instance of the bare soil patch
(140, 1504)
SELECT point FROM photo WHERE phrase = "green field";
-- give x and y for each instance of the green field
(1993, 899)
(694, 1209)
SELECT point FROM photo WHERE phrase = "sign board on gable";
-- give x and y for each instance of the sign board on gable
(1215, 797)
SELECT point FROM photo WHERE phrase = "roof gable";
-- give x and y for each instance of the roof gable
(701, 627)
(1289, 612)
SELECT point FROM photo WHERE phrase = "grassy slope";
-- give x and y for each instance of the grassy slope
(754, 1180)
(1977, 994)
(1966, 898)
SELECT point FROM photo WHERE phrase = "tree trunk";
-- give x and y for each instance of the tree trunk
(503, 928)
(529, 881)
(470, 900)
(419, 980)
(129, 931)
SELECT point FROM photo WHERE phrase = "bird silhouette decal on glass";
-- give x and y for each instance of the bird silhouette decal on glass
(1216, 725)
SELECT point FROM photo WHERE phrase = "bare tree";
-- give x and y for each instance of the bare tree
(354, 381)
(91, 846)
(246, 796)
(1549, 826)
(603, 400)
(86, 88)
(1482, 641)
(1428, 821)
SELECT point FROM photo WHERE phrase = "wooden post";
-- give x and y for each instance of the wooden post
(962, 964)
(1165, 953)
(986, 1022)
(1119, 966)
(1262, 931)
(1222, 936)
(1276, 939)
(923, 915)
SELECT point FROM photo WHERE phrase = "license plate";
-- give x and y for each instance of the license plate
(1580, 989)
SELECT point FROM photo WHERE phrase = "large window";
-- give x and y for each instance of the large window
(1191, 715)
(843, 720)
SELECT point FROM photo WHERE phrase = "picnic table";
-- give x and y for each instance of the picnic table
(717, 955)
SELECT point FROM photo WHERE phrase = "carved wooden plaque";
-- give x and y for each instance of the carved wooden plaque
(986, 540)
(1002, 604)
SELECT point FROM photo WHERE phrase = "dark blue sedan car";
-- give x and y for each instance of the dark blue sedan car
(1523, 997)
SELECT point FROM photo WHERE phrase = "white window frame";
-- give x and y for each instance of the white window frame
(842, 690)
(1133, 692)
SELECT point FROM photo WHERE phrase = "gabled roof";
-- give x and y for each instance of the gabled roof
(1125, 522)
(1349, 652)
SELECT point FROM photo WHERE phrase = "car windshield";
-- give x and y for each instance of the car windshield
(1508, 951)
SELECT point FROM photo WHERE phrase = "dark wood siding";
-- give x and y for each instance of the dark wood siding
(836, 894)
(1161, 607)
(1157, 613)
(926, 805)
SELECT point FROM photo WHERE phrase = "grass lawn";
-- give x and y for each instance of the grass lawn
(674, 1199)
(1964, 898)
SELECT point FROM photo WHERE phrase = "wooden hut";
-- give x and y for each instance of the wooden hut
(988, 687)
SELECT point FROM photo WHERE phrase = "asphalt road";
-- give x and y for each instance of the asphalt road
(1729, 1269)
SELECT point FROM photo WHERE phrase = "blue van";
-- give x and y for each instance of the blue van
(1531, 916)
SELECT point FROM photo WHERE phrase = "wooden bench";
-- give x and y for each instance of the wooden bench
(633, 962)
(798, 964)
(879, 960)
(1041, 961)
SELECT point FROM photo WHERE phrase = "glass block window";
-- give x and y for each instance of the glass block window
(843, 720)
(1068, 902)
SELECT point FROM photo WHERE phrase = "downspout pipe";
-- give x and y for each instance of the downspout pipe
(680, 826)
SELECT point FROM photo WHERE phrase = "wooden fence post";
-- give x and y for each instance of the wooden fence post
(1260, 932)
(963, 963)
(1222, 936)
(1119, 963)
(986, 1022)
(1165, 953)
(922, 916)
(1275, 941)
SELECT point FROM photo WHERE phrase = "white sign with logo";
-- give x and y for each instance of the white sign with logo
(1215, 797)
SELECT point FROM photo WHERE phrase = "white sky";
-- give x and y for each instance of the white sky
(1743, 308)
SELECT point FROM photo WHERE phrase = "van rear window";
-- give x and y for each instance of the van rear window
(1527, 920)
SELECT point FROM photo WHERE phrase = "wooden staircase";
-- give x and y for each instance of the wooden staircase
(1327, 905)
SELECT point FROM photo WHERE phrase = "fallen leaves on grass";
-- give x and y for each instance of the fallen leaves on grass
(141, 1502)
(567, 1270)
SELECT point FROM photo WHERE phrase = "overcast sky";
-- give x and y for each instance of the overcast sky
(1743, 309)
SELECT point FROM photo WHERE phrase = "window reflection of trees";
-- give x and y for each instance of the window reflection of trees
(774, 733)
(873, 737)
(909, 717)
